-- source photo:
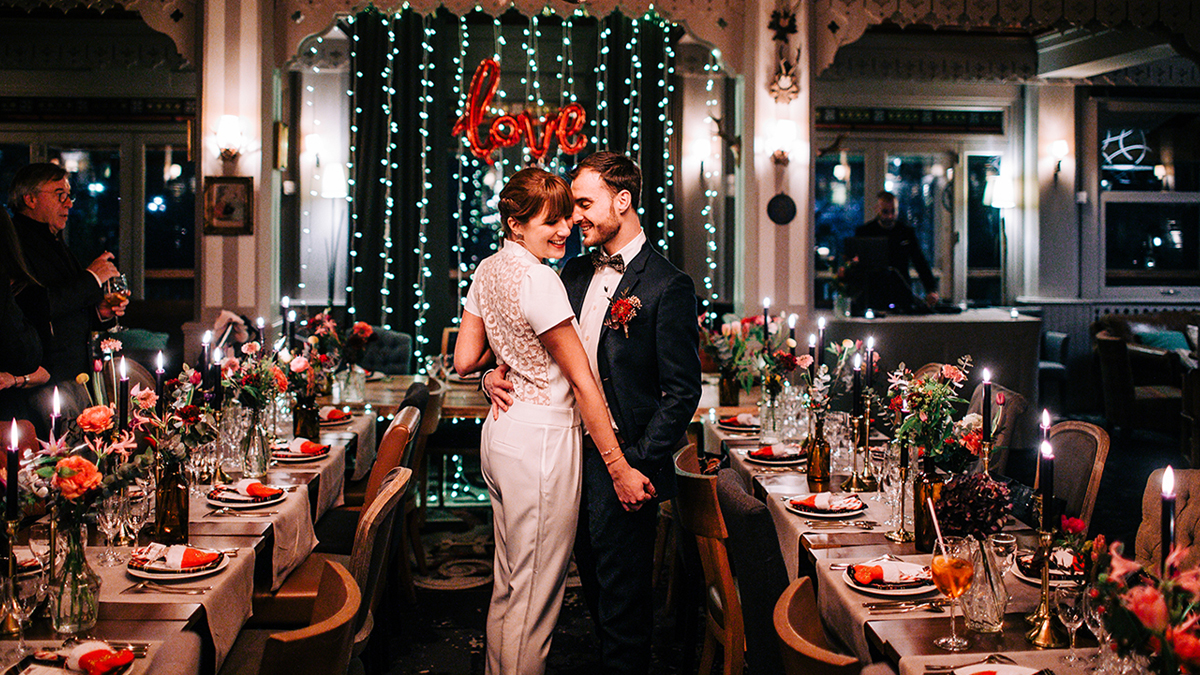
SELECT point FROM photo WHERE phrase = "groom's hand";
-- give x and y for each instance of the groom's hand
(498, 389)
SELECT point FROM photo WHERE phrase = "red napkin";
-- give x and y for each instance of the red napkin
(191, 557)
(257, 489)
(865, 574)
(764, 451)
(331, 414)
(97, 658)
(311, 448)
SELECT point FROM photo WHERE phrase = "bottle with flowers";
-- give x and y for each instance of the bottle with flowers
(305, 381)
(72, 482)
(815, 380)
(254, 380)
(324, 348)
(352, 379)
(174, 426)
(732, 348)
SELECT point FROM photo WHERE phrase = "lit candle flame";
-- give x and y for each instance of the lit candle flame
(792, 320)
(766, 303)
(260, 322)
(57, 403)
(286, 302)
(812, 340)
(124, 371)
(207, 339)
(291, 315)
(12, 434)
(1168, 483)
(871, 343)
(160, 362)
(821, 323)
(1045, 418)
(987, 375)
(858, 361)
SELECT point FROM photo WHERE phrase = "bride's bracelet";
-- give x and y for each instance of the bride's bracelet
(609, 461)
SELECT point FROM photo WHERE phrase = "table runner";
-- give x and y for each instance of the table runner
(332, 469)
(293, 535)
(844, 616)
(362, 425)
(227, 606)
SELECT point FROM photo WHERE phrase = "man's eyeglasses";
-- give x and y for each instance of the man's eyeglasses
(63, 197)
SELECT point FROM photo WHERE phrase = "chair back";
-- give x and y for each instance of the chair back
(1012, 423)
(1148, 544)
(699, 513)
(138, 375)
(1116, 379)
(395, 443)
(26, 435)
(927, 370)
(806, 650)
(429, 423)
(324, 645)
(1080, 449)
(369, 559)
(449, 340)
(1054, 346)
(390, 352)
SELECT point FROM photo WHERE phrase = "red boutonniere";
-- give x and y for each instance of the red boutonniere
(621, 311)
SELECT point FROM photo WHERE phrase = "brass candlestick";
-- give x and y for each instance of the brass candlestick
(10, 625)
(1047, 633)
(861, 481)
(900, 534)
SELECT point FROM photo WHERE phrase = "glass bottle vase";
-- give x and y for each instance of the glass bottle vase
(171, 502)
(306, 422)
(256, 450)
(73, 591)
(985, 601)
(926, 485)
(817, 447)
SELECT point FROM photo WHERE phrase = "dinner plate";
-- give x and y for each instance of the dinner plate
(997, 668)
(740, 428)
(375, 376)
(171, 575)
(890, 592)
(790, 461)
(1055, 582)
(297, 457)
(242, 501)
(823, 515)
(335, 423)
(54, 665)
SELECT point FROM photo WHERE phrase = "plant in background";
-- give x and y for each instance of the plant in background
(357, 337)
(850, 278)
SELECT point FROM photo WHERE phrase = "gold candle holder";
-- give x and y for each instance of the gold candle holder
(1047, 633)
(901, 535)
(10, 625)
(861, 481)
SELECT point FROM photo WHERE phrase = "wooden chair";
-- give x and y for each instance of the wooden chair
(1130, 403)
(927, 370)
(395, 443)
(1080, 449)
(415, 502)
(368, 563)
(1148, 544)
(806, 651)
(1012, 425)
(324, 646)
(699, 513)
(138, 375)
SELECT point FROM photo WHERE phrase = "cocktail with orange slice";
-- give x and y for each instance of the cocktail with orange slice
(952, 573)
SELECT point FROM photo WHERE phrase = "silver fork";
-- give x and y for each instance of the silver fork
(990, 658)
(157, 587)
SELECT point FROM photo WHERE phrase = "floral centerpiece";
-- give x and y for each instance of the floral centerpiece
(254, 380)
(71, 475)
(1156, 619)
(974, 505)
(324, 348)
(929, 426)
(358, 336)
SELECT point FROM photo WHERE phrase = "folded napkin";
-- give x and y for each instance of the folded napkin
(741, 420)
(97, 658)
(304, 446)
(254, 488)
(329, 413)
(886, 571)
(779, 451)
(177, 557)
(827, 501)
(1062, 564)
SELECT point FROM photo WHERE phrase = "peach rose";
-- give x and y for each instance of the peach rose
(74, 476)
(1148, 605)
(952, 374)
(1187, 646)
(280, 378)
(145, 399)
(804, 361)
(250, 348)
(96, 419)
(299, 364)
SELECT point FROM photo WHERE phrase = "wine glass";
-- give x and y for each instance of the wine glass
(23, 593)
(1068, 604)
(952, 573)
(1093, 617)
(138, 513)
(39, 542)
(108, 520)
(116, 290)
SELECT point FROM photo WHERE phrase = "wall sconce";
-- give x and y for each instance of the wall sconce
(785, 135)
(1059, 149)
(229, 137)
(998, 193)
(333, 182)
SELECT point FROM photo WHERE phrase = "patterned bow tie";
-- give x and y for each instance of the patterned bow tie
(599, 260)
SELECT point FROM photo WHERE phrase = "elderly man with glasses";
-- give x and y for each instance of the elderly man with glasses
(66, 302)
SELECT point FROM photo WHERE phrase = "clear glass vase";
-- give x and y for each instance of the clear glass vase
(350, 385)
(73, 590)
(256, 450)
(985, 601)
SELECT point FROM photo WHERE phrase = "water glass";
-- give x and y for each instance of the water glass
(39, 542)
(108, 519)
(1004, 547)
(23, 594)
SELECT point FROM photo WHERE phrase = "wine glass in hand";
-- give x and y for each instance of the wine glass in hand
(116, 291)
(1068, 604)
(952, 573)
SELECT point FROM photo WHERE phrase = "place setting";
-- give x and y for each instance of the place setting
(330, 416)
(247, 495)
(744, 423)
(1027, 566)
(778, 454)
(890, 576)
(826, 506)
(298, 451)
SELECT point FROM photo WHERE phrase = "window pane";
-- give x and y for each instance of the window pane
(983, 233)
(839, 210)
(170, 223)
(923, 201)
(1149, 150)
(1152, 244)
(13, 156)
(94, 224)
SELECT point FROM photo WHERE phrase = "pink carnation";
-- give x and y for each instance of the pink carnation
(251, 348)
(299, 364)
(804, 361)
(952, 374)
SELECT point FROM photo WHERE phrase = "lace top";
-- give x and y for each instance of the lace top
(518, 299)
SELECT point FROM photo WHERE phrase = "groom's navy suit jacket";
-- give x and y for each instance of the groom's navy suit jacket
(651, 378)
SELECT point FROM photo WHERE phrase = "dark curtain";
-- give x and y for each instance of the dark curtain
(372, 291)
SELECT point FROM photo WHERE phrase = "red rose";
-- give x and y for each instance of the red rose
(189, 414)
(96, 419)
(1072, 525)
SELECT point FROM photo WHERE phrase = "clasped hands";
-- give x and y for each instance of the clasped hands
(632, 486)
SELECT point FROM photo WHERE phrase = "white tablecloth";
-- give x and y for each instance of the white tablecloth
(294, 537)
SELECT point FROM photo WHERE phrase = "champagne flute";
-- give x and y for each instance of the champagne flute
(953, 573)
(116, 291)
(24, 593)
(1068, 604)
(1093, 617)
(108, 520)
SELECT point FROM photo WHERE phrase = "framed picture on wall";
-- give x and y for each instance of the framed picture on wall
(229, 205)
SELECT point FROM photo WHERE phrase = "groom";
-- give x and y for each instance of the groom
(637, 320)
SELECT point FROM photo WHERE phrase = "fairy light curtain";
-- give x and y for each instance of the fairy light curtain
(422, 205)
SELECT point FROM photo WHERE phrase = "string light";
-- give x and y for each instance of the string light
(710, 195)
(600, 138)
(461, 168)
(355, 234)
(421, 303)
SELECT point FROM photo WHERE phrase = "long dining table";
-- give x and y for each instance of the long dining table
(822, 549)
(193, 632)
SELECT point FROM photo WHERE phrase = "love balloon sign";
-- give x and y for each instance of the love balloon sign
(507, 130)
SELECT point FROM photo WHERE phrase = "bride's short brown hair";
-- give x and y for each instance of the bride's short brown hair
(528, 192)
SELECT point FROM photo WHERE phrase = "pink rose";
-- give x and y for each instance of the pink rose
(804, 361)
(229, 365)
(299, 364)
(251, 348)
(1148, 605)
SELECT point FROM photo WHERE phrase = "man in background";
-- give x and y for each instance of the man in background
(893, 286)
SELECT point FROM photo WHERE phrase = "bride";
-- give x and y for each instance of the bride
(517, 314)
